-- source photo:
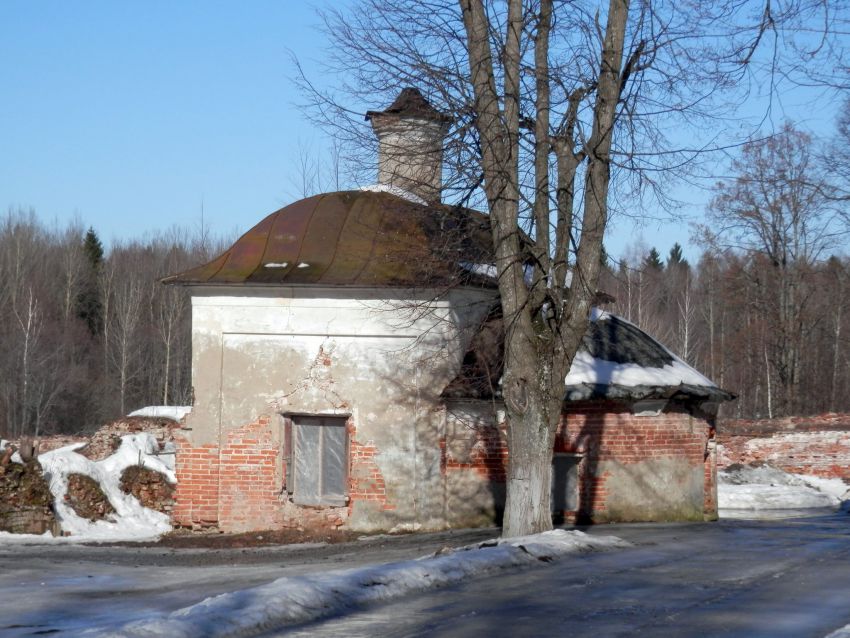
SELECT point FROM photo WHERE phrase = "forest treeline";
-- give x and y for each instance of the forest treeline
(87, 335)
(722, 316)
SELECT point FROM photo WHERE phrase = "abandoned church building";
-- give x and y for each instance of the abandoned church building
(346, 357)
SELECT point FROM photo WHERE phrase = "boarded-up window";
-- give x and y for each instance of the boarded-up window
(317, 467)
(565, 482)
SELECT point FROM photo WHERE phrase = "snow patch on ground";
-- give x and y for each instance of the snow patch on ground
(745, 491)
(131, 520)
(175, 412)
(303, 598)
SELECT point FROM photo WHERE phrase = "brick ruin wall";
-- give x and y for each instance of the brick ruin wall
(818, 445)
(26, 510)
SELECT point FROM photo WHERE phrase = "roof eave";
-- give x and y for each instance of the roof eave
(615, 391)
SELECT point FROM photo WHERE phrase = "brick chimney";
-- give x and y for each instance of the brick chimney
(410, 145)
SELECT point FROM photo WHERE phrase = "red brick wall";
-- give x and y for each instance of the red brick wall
(365, 480)
(488, 455)
(818, 445)
(197, 485)
(608, 431)
(239, 487)
(251, 479)
(604, 431)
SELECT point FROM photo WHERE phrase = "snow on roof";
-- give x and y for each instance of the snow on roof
(616, 360)
(176, 412)
(394, 190)
(618, 352)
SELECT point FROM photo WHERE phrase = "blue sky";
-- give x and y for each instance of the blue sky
(129, 115)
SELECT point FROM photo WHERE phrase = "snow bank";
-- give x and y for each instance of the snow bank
(302, 598)
(753, 489)
(176, 412)
(844, 632)
(131, 520)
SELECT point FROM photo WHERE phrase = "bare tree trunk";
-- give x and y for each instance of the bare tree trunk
(769, 390)
(539, 349)
(836, 347)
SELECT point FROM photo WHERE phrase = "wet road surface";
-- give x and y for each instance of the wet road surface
(786, 578)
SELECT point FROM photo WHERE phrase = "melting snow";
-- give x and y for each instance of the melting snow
(485, 270)
(588, 369)
(176, 412)
(746, 491)
(301, 598)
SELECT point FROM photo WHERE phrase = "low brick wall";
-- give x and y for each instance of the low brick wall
(817, 445)
(25, 500)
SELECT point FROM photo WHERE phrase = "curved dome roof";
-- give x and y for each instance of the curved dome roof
(355, 238)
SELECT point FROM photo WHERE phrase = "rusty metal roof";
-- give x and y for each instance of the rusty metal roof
(355, 238)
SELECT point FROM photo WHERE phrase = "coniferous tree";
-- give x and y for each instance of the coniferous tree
(89, 306)
(653, 260)
(675, 258)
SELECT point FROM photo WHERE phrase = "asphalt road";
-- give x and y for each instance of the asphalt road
(734, 578)
(52, 588)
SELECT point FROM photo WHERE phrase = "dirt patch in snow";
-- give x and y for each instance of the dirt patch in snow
(87, 499)
(25, 499)
(151, 488)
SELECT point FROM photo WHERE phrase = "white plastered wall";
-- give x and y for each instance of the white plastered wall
(380, 355)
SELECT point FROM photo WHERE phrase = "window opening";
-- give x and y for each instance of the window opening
(565, 483)
(316, 456)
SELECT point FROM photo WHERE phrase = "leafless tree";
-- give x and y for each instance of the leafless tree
(779, 206)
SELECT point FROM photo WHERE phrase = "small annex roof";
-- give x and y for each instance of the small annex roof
(353, 238)
(617, 360)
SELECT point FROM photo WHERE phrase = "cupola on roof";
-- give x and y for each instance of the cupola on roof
(411, 103)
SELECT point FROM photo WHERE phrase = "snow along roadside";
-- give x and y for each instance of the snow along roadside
(298, 599)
